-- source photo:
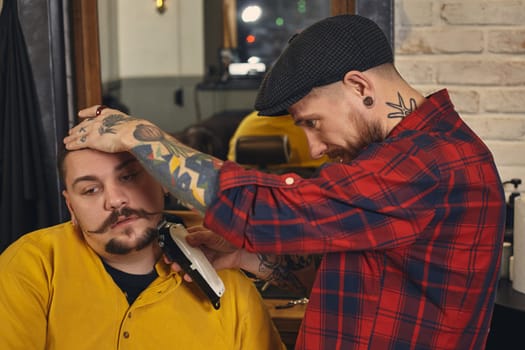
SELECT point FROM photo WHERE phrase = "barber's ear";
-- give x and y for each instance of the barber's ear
(358, 82)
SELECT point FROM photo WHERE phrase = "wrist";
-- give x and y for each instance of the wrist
(260, 265)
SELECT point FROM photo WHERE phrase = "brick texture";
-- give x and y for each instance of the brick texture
(475, 49)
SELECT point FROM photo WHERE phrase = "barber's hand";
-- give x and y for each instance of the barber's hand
(109, 130)
(221, 253)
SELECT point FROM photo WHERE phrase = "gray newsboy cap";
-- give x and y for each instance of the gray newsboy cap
(321, 54)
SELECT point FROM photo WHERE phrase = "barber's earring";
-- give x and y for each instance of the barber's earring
(368, 101)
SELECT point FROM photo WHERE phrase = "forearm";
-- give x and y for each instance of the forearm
(291, 272)
(191, 176)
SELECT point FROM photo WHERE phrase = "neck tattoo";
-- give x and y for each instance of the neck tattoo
(401, 109)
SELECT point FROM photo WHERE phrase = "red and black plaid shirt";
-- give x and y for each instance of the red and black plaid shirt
(411, 233)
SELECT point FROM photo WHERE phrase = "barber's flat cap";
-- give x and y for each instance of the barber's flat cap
(321, 54)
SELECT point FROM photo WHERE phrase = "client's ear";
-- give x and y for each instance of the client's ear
(69, 208)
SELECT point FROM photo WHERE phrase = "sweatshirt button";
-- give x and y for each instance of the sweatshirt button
(126, 335)
(289, 180)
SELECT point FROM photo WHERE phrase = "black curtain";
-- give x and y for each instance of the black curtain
(23, 193)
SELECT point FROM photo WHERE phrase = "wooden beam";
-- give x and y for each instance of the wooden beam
(340, 7)
(87, 79)
(229, 24)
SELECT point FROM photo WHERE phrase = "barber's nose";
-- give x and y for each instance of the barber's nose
(317, 148)
(116, 198)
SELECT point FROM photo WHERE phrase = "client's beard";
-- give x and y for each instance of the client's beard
(116, 247)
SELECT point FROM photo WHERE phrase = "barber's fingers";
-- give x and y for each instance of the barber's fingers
(95, 111)
(106, 132)
(176, 267)
(78, 136)
(200, 236)
(88, 112)
(89, 117)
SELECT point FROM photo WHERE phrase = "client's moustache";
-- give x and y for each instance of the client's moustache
(126, 212)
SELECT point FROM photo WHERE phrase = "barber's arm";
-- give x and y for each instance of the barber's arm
(291, 272)
(191, 176)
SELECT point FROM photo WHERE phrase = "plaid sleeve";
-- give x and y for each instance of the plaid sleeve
(391, 192)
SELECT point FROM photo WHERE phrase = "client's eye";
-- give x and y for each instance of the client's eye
(130, 176)
(89, 191)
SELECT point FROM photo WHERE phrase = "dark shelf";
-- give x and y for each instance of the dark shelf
(508, 297)
(230, 84)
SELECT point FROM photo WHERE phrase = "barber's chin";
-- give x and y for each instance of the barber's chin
(339, 156)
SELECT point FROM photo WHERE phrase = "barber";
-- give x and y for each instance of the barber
(409, 217)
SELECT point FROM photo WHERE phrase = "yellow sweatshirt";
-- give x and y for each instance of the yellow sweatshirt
(56, 294)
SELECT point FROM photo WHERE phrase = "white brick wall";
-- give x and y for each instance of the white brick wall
(475, 49)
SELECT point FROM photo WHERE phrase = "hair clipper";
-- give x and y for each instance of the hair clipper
(172, 240)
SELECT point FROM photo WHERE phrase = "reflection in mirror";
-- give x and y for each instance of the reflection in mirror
(242, 44)
(151, 62)
(264, 27)
(157, 66)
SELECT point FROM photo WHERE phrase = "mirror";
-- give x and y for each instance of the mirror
(263, 29)
(165, 66)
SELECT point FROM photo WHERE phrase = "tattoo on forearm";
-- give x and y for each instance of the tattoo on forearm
(402, 109)
(196, 181)
(284, 269)
(191, 177)
(150, 133)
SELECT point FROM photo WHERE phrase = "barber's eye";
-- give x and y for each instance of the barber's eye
(310, 123)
